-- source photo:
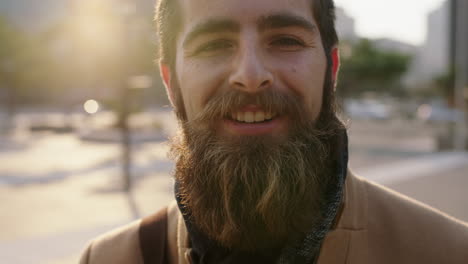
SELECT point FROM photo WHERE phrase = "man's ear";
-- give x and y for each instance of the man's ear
(335, 57)
(165, 72)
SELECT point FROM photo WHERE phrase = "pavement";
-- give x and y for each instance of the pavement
(57, 192)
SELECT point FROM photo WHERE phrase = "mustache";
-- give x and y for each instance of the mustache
(222, 105)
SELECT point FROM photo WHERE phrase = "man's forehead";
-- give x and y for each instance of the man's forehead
(242, 11)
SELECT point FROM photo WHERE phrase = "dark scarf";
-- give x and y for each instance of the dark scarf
(303, 251)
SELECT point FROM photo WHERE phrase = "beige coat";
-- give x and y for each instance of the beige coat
(376, 225)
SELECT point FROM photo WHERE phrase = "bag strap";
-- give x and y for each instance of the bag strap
(153, 238)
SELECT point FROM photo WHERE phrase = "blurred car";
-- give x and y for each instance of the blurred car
(367, 109)
(438, 113)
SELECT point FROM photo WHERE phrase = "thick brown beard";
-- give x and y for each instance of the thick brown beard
(251, 192)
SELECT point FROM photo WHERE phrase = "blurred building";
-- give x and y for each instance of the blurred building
(459, 63)
(459, 40)
(31, 14)
(345, 25)
(432, 59)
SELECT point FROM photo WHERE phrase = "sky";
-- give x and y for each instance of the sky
(403, 20)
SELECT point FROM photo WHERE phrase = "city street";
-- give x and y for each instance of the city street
(86, 123)
(57, 191)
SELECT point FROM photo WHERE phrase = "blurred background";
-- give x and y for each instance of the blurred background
(84, 119)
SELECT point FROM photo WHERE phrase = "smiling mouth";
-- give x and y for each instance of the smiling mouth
(250, 117)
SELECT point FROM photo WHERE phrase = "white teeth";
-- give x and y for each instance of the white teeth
(259, 116)
(251, 117)
(240, 117)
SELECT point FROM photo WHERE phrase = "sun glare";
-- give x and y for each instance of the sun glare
(96, 25)
(91, 106)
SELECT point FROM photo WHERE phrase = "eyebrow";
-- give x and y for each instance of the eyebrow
(273, 21)
(282, 20)
(211, 26)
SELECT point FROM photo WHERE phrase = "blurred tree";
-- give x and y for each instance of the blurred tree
(9, 38)
(20, 59)
(93, 53)
(443, 84)
(364, 68)
(83, 55)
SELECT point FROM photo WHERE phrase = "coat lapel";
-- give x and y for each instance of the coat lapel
(347, 243)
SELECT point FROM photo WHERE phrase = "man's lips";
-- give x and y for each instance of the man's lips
(253, 128)
(251, 114)
(252, 120)
(252, 117)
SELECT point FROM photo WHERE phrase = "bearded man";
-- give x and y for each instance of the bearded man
(261, 158)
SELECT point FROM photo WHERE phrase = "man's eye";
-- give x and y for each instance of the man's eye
(287, 43)
(214, 46)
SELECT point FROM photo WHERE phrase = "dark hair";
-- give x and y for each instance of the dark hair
(169, 21)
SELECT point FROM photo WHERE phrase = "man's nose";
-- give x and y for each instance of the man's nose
(250, 72)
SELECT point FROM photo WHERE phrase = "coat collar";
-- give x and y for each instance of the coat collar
(337, 248)
(351, 226)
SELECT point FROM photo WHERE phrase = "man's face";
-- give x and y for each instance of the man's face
(252, 163)
(251, 47)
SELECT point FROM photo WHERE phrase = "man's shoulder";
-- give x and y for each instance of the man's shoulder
(131, 243)
(412, 227)
(121, 245)
(388, 204)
